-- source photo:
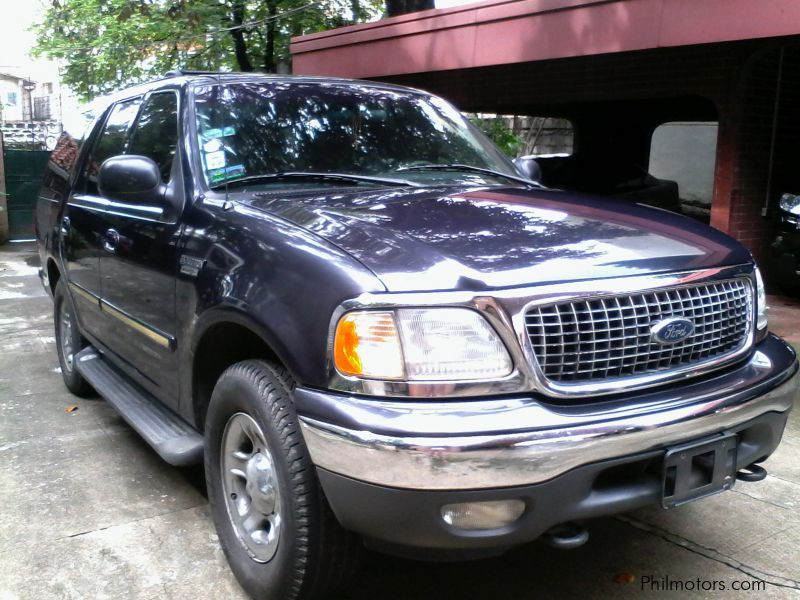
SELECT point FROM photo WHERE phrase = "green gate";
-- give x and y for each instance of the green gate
(24, 170)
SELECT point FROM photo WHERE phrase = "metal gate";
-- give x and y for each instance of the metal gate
(24, 169)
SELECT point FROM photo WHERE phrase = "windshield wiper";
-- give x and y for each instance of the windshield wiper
(460, 167)
(340, 177)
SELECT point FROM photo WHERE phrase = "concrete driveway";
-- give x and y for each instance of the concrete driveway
(87, 510)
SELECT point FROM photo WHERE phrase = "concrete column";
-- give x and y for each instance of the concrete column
(725, 172)
(747, 157)
(3, 198)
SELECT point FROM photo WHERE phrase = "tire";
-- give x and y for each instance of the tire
(302, 552)
(68, 341)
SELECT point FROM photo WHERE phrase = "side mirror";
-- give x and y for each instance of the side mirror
(131, 178)
(529, 168)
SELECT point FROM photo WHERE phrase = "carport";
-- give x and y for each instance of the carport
(617, 69)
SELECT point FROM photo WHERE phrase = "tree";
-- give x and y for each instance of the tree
(107, 44)
(500, 133)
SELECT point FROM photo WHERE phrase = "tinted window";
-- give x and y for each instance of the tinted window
(111, 140)
(252, 129)
(156, 133)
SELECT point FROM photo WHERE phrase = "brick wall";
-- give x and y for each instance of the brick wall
(752, 169)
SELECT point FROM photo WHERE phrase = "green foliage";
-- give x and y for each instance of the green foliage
(103, 45)
(502, 135)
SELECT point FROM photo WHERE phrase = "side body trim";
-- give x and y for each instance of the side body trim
(154, 335)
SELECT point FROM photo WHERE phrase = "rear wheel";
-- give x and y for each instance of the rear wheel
(278, 533)
(68, 341)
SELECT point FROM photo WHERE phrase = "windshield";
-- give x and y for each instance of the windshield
(248, 130)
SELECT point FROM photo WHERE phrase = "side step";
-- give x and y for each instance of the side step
(169, 435)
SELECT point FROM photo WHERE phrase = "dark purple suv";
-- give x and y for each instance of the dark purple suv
(373, 329)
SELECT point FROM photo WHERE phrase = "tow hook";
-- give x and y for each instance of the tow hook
(566, 536)
(751, 473)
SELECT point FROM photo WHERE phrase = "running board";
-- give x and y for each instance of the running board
(169, 435)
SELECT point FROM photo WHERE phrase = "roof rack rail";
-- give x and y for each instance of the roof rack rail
(182, 72)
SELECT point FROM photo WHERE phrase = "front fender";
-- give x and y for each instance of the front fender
(275, 278)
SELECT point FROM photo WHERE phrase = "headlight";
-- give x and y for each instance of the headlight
(790, 203)
(419, 344)
(761, 302)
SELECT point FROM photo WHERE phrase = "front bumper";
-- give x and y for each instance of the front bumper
(409, 522)
(387, 467)
(477, 444)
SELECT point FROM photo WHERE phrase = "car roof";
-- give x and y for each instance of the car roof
(177, 79)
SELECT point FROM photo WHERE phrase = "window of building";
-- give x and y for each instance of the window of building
(685, 152)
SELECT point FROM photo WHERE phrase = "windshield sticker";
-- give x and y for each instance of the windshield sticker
(211, 134)
(215, 160)
(212, 146)
(226, 173)
(235, 170)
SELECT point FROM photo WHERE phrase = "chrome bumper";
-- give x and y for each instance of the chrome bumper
(446, 445)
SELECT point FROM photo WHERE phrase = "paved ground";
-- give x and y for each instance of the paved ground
(87, 510)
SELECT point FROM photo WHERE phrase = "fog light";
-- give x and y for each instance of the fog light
(483, 515)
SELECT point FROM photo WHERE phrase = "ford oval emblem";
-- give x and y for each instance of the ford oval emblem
(671, 330)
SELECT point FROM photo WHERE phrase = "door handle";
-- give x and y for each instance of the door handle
(65, 226)
(110, 240)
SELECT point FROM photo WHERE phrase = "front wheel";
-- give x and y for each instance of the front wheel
(276, 529)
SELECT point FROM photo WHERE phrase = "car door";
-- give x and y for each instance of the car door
(139, 257)
(82, 221)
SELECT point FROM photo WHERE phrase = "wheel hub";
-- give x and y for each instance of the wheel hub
(260, 485)
(251, 488)
(65, 334)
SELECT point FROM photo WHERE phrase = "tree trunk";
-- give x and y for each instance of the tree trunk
(355, 8)
(270, 65)
(401, 7)
(239, 45)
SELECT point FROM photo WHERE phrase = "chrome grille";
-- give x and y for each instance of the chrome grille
(609, 337)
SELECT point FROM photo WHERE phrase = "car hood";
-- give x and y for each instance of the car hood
(480, 238)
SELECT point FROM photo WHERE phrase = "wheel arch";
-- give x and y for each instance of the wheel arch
(225, 337)
(53, 275)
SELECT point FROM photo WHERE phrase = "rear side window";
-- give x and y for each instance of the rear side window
(68, 145)
(64, 157)
(156, 132)
(111, 140)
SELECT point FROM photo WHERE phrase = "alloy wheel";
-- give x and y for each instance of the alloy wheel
(250, 486)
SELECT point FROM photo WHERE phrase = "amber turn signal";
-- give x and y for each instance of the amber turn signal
(366, 344)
